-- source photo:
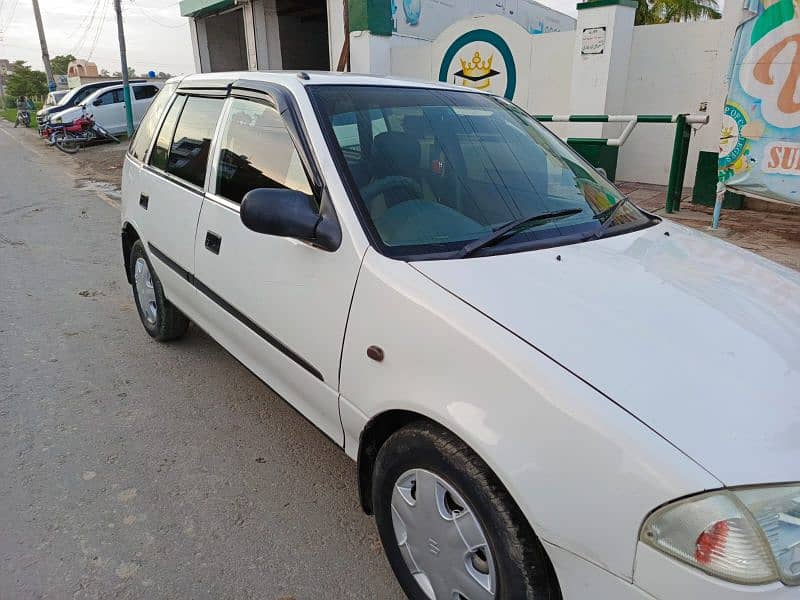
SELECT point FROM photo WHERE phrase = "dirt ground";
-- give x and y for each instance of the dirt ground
(769, 229)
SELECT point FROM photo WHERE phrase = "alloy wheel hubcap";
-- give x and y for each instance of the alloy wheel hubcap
(440, 539)
(145, 291)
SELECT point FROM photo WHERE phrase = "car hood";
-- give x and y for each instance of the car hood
(697, 338)
(68, 114)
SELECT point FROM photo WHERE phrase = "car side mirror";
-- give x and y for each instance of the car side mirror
(602, 171)
(285, 213)
(97, 102)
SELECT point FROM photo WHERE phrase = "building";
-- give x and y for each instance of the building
(310, 34)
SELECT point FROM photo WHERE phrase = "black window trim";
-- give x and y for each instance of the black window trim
(430, 251)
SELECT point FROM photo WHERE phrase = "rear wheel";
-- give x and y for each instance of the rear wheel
(449, 528)
(160, 318)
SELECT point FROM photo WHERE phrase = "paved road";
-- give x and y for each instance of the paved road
(131, 469)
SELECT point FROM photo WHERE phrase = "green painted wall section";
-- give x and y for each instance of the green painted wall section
(197, 8)
(374, 16)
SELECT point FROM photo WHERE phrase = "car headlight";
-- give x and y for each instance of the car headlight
(744, 535)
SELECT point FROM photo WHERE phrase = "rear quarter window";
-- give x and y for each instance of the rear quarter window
(147, 128)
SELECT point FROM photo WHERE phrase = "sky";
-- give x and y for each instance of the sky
(157, 36)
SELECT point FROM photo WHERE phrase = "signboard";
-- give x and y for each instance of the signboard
(480, 59)
(759, 149)
(593, 40)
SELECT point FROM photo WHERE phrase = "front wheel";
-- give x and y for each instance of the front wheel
(449, 528)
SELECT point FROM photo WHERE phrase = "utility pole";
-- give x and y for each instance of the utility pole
(51, 83)
(123, 56)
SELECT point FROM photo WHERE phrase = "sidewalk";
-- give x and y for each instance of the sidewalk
(773, 231)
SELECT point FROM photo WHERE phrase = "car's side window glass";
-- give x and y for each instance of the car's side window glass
(158, 158)
(256, 151)
(144, 135)
(103, 99)
(143, 92)
(188, 154)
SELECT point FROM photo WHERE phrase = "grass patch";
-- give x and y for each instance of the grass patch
(10, 114)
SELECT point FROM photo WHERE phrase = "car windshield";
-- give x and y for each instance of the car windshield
(437, 171)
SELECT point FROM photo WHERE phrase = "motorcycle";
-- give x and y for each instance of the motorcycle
(23, 118)
(69, 137)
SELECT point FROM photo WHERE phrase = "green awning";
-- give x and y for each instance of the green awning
(198, 8)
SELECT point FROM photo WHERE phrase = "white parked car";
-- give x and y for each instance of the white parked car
(107, 106)
(549, 392)
(53, 98)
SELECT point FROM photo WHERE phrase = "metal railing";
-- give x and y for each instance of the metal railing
(680, 146)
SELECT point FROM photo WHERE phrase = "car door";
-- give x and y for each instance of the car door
(278, 304)
(171, 193)
(108, 110)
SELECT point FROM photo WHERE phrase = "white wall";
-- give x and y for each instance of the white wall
(335, 30)
(673, 68)
(551, 71)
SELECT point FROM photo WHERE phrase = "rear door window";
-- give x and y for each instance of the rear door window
(188, 154)
(143, 92)
(256, 151)
(147, 128)
(160, 153)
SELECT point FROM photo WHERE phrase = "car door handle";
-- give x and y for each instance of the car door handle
(213, 242)
(144, 200)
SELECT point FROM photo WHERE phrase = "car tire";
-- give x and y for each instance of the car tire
(161, 319)
(511, 565)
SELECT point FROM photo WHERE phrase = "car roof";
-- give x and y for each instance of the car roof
(137, 83)
(293, 79)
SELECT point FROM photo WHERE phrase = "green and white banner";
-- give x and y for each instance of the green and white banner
(760, 141)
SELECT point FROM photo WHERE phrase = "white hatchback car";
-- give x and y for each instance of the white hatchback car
(107, 106)
(550, 392)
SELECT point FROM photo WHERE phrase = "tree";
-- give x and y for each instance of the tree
(163, 75)
(24, 81)
(131, 73)
(650, 12)
(60, 63)
(689, 10)
(104, 73)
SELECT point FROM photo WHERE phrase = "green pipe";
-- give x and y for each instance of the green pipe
(676, 172)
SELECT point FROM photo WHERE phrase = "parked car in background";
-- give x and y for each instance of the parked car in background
(465, 306)
(76, 96)
(53, 98)
(107, 106)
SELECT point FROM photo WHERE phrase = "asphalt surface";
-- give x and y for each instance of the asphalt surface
(132, 469)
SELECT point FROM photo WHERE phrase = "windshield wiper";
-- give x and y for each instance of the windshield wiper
(609, 219)
(511, 228)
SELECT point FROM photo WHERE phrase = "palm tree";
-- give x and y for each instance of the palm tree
(651, 12)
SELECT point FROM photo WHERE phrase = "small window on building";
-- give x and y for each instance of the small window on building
(143, 92)
(147, 128)
(160, 154)
(188, 155)
(256, 151)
